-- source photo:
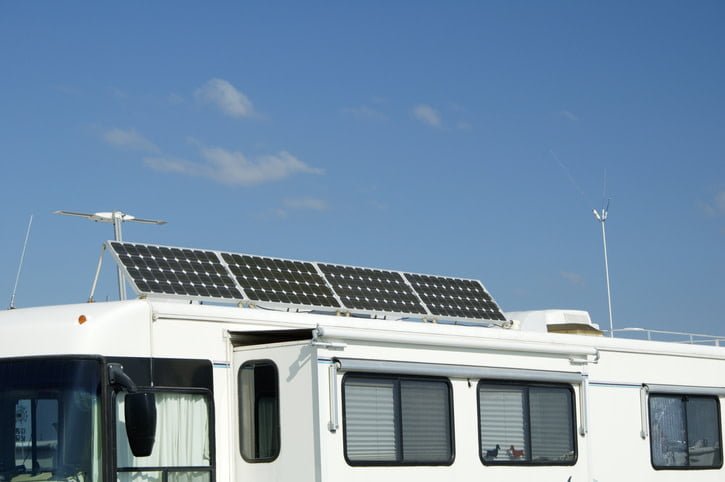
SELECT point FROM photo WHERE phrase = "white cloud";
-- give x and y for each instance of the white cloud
(306, 203)
(301, 204)
(68, 90)
(719, 202)
(175, 99)
(427, 115)
(463, 126)
(234, 168)
(226, 97)
(118, 93)
(716, 207)
(129, 139)
(364, 112)
(568, 115)
(573, 278)
(178, 166)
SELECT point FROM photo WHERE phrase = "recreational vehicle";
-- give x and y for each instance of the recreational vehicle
(230, 367)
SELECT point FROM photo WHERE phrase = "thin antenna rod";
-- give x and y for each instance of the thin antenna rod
(20, 267)
(117, 221)
(602, 218)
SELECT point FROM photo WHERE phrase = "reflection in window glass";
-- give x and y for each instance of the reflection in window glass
(38, 419)
(522, 423)
(259, 411)
(50, 419)
(685, 431)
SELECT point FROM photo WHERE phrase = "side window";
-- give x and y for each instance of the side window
(259, 411)
(685, 432)
(182, 446)
(392, 420)
(528, 424)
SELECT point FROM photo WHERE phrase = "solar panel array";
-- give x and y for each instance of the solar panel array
(231, 277)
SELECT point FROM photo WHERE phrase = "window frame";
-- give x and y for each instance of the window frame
(527, 422)
(682, 396)
(397, 415)
(240, 426)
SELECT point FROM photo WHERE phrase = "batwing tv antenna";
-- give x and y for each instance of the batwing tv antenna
(601, 216)
(117, 218)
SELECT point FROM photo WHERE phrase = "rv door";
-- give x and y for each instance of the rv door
(277, 436)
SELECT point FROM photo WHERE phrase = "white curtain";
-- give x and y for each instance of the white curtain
(182, 438)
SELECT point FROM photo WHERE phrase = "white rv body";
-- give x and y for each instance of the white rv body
(610, 379)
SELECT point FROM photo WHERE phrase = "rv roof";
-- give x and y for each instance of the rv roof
(171, 272)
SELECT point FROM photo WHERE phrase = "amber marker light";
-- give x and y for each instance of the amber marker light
(82, 319)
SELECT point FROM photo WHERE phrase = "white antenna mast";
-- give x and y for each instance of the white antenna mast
(117, 218)
(20, 267)
(601, 216)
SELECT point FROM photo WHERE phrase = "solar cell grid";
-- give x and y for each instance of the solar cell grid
(280, 281)
(372, 289)
(155, 269)
(456, 298)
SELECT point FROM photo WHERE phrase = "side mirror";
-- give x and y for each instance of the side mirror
(140, 411)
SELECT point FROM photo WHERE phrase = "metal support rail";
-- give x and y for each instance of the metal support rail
(676, 336)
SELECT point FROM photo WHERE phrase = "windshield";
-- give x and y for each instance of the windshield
(50, 420)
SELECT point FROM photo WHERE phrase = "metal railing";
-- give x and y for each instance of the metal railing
(672, 336)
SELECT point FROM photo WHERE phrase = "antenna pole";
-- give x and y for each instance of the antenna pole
(117, 217)
(602, 218)
(20, 267)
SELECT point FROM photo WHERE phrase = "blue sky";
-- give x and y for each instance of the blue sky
(460, 138)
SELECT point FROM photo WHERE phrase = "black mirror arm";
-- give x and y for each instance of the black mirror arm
(118, 379)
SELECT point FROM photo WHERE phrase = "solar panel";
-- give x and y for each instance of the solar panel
(280, 281)
(372, 289)
(176, 271)
(455, 297)
(276, 282)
